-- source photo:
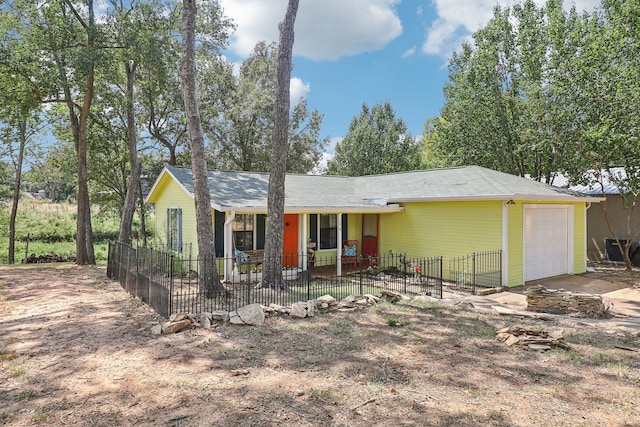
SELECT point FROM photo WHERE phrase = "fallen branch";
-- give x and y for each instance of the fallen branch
(360, 405)
(621, 347)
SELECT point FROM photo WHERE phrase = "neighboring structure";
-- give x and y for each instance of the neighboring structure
(601, 246)
(625, 223)
(540, 229)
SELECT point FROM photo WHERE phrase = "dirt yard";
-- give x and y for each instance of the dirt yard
(76, 350)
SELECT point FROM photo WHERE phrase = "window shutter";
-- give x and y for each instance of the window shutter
(218, 227)
(261, 227)
(345, 227)
(313, 229)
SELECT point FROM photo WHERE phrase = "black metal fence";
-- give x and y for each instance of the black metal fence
(480, 269)
(169, 283)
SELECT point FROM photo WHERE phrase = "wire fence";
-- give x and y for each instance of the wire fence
(170, 283)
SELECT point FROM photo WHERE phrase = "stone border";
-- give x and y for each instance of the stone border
(255, 314)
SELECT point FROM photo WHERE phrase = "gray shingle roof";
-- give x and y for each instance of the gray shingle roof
(247, 191)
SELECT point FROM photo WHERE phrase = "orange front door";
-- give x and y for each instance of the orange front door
(290, 246)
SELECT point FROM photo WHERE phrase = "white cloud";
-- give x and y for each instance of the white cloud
(457, 19)
(298, 89)
(324, 30)
(409, 52)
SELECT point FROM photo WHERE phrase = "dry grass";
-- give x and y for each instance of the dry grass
(79, 352)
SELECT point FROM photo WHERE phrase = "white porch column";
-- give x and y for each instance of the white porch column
(339, 248)
(303, 247)
(228, 244)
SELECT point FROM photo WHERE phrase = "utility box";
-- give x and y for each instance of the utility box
(615, 252)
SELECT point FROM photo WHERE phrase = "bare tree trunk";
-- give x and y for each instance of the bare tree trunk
(84, 232)
(272, 268)
(129, 206)
(209, 281)
(16, 190)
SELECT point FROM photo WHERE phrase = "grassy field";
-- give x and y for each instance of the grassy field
(43, 227)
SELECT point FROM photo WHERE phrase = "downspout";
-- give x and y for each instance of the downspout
(586, 241)
(228, 244)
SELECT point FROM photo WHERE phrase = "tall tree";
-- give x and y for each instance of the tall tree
(272, 270)
(209, 280)
(242, 137)
(19, 124)
(19, 119)
(377, 142)
(142, 33)
(506, 91)
(59, 49)
(608, 95)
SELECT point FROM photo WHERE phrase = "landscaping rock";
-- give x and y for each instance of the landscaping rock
(298, 311)
(220, 316)
(391, 296)
(559, 301)
(251, 314)
(173, 327)
(531, 337)
(328, 299)
(176, 317)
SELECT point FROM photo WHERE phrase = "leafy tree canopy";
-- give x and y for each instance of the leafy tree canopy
(377, 142)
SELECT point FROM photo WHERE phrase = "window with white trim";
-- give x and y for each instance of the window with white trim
(174, 229)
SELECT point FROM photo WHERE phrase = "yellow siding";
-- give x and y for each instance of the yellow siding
(171, 195)
(354, 228)
(454, 229)
(448, 229)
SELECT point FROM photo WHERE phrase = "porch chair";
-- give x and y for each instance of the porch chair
(350, 252)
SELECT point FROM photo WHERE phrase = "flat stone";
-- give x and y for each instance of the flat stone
(173, 327)
(156, 329)
(176, 317)
(251, 314)
(353, 298)
(328, 299)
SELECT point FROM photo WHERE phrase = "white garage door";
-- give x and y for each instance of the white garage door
(548, 238)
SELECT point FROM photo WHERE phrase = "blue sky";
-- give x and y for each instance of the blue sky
(348, 52)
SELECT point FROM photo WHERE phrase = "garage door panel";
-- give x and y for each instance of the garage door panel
(546, 242)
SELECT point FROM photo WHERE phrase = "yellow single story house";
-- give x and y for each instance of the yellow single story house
(449, 212)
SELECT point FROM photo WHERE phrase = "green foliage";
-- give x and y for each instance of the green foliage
(376, 143)
(5, 181)
(510, 98)
(241, 137)
(394, 321)
(52, 227)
